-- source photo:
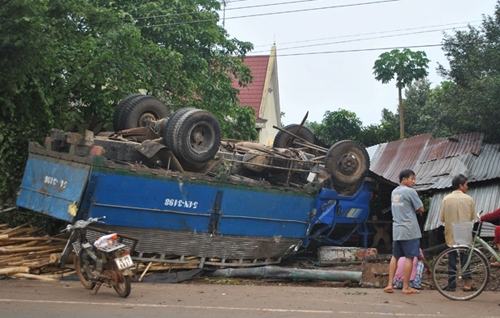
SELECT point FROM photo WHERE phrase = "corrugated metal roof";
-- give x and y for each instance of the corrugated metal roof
(388, 161)
(436, 161)
(450, 147)
(486, 198)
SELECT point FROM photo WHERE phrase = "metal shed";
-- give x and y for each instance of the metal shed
(436, 161)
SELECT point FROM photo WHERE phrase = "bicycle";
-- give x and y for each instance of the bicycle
(472, 268)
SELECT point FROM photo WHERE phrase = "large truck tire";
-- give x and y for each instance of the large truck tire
(169, 134)
(137, 111)
(347, 162)
(119, 108)
(284, 140)
(193, 135)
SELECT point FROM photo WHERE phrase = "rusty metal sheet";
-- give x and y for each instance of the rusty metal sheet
(453, 146)
(437, 160)
(397, 155)
(486, 198)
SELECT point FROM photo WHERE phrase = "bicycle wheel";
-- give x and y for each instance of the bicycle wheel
(457, 268)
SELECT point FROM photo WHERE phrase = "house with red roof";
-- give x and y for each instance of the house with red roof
(262, 94)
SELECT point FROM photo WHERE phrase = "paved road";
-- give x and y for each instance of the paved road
(70, 300)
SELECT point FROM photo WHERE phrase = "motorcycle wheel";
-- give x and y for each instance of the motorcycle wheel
(82, 264)
(122, 285)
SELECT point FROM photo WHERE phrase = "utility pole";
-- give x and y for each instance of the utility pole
(224, 13)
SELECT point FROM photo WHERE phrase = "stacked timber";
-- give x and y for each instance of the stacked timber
(23, 254)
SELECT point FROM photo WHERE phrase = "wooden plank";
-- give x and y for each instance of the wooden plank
(7, 250)
(44, 278)
(14, 270)
(12, 230)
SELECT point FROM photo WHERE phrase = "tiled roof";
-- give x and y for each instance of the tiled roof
(251, 95)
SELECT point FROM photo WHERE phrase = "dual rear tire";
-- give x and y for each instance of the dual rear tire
(194, 136)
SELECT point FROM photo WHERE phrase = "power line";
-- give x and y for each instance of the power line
(357, 40)
(225, 3)
(370, 33)
(231, 1)
(359, 50)
(267, 13)
(270, 4)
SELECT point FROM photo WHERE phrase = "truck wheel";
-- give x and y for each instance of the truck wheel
(119, 108)
(284, 140)
(138, 111)
(196, 136)
(347, 162)
(169, 133)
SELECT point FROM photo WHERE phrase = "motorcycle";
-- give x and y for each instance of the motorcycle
(106, 261)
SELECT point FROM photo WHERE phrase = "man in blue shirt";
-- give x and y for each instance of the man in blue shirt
(405, 229)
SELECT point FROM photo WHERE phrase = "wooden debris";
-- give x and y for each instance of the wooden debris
(44, 278)
(24, 255)
(14, 270)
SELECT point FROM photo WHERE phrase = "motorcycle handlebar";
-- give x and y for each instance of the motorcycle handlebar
(80, 224)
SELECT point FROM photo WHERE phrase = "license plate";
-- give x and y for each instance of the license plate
(124, 262)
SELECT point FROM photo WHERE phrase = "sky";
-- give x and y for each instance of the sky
(326, 82)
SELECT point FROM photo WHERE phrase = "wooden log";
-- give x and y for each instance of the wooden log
(14, 229)
(48, 251)
(14, 270)
(17, 244)
(165, 267)
(38, 264)
(46, 238)
(145, 271)
(4, 262)
(18, 232)
(8, 250)
(54, 258)
(4, 236)
(32, 263)
(44, 278)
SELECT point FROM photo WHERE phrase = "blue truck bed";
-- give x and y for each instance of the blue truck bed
(186, 214)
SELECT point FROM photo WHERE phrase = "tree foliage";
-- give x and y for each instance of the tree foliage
(337, 125)
(65, 64)
(344, 124)
(472, 98)
(469, 99)
(404, 66)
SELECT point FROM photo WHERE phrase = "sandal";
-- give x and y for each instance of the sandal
(468, 289)
(388, 290)
(411, 291)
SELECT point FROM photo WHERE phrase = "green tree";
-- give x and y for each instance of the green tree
(471, 101)
(385, 131)
(405, 66)
(65, 64)
(337, 125)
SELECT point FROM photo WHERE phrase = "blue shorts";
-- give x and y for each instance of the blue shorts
(406, 248)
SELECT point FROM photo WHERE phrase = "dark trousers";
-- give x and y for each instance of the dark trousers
(452, 268)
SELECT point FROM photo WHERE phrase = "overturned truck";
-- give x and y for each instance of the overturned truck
(169, 181)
